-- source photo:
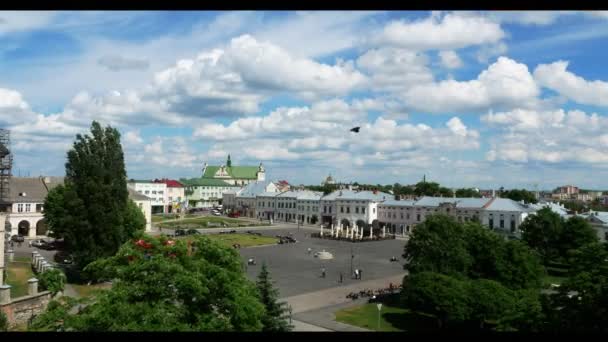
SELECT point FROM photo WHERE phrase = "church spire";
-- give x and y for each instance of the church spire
(228, 162)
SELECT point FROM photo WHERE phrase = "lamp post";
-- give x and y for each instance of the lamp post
(379, 309)
(352, 256)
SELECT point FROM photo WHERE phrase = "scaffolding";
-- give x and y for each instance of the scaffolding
(6, 165)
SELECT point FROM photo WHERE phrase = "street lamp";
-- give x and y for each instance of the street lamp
(352, 256)
(379, 309)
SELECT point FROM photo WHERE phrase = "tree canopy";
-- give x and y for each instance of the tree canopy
(553, 237)
(159, 284)
(520, 195)
(92, 211)
(275, 316)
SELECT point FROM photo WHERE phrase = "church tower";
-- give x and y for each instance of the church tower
(228, 162)
(261, 173)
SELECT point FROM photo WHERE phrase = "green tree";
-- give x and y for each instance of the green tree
(92, 210)
(160, 284)
(486, 248)
(519, 195)
(576, 232)
(467, 192)
(427, 189)
(275, 317)
(525, 315)
(489, 300)
(438, 245)
(3, 322)
(52, 280)
(520, 267)
(441, 295)
(541, 232)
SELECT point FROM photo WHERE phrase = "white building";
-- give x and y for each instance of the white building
(174, 195)
(358, 208)
(157, 192)
(297, 206)
(207, 192)
(505, 215)
(243, 200)
(144, 203)
(266, 205)
(599, 221)
(26, 212)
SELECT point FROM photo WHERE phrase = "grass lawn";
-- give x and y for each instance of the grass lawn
(17, 275)
(201, 222)
(392, 318)
(87, 290)
(549, 279)
(245, 240)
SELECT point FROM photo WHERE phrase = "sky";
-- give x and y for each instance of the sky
(469, 99)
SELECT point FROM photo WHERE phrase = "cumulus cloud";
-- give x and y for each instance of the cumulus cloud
(548, 136)
(394, 69)
(487, 52)
(504, 83)
(555, 76)
(442, 32)
(118, 63)
(13, 109)
(450, 59)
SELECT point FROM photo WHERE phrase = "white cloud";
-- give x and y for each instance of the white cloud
(457, 127)
(548, 136)
(133, 138)
(556, 77)
(443, 32)
(118, 63)
(393, 69)
(487, 52)
(13, 109)
(504, 83)
(450, 59)
(15, 21)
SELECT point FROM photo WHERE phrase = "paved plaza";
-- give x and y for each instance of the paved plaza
(296, 272)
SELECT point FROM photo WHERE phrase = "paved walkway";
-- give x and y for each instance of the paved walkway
(336, 295)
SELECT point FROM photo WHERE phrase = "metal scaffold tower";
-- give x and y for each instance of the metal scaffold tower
(6, 165)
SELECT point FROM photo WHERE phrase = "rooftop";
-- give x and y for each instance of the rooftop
(377, 196)
(136, 196)
(206, 182)
(239, 172)
(170, 183)
(402, 203)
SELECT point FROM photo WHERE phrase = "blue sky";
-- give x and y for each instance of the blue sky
(485, 99)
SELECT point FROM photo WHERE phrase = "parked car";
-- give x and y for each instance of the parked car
(63, 258)
(39, 243)
(180, 232)
(215, 213)
(192, 232)
(17, 238)
(233, 215)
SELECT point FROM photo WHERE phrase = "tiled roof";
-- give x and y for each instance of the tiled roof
(136, 196)
(403, 203)
(472, 202)
(240, 172)
(170, 183)
(302, 195)
(269, 194)
(140, 181)
(505, 204)
(359, 195)
(253, 189)
(429, 201)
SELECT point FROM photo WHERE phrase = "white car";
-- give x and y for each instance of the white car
(215, 213)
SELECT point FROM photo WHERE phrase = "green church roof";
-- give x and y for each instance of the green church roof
(239, 172)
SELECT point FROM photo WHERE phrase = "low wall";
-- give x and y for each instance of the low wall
(22, 309)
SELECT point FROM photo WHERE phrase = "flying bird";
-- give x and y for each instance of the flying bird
(356, 129)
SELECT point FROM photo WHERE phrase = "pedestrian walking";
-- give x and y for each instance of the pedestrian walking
(323, 272)
(309, 250)
(357, 273)
(360, 274)
(30, 243)
(341, 277)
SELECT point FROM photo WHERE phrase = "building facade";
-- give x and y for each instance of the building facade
(157, 192)
(244, 201)
(206, 192)
(235, 175)
(144, 203)
(358, 208)
(175, 195)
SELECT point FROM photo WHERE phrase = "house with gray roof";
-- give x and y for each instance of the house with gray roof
(599, 221)
(26, 210)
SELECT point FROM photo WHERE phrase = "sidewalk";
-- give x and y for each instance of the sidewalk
(337, 295)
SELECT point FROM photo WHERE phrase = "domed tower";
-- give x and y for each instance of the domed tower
(261, 172)
(329, 180)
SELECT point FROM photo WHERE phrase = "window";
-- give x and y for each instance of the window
(308, 208)
(348, 210)
(324, 209)
(374, 210)
(363, 210)
(141, 206)
(418, 217)
(512, 226)
(502, 223)
(330, 210)
(147, 192)
(402, 216)
(28, 208)
(491, 223)
(20, 207)
(38, 208)
(356, 210)
(394, 215)
(161, 192)
(153, 192)
(341, 209)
